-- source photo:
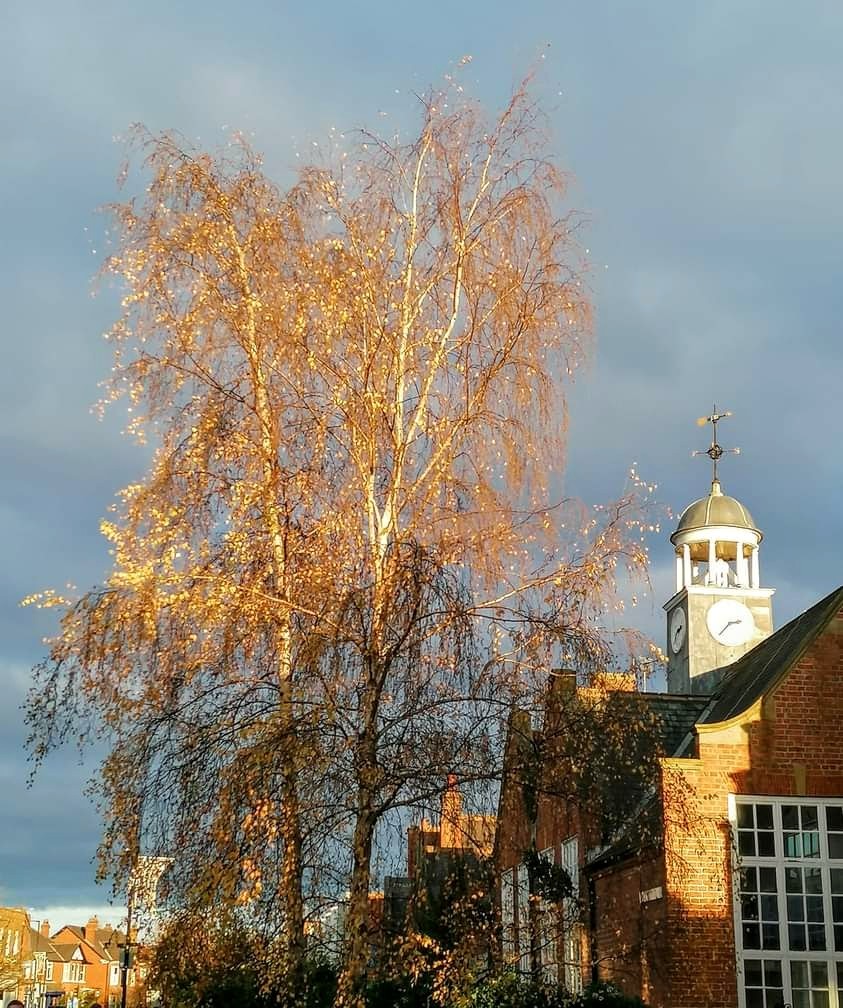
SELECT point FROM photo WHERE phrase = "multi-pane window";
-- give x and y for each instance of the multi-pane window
(76, 972)
(755, 831)
(508, 914)
(834, 820)
(571, 932)
(805, 913)
(836, 876)
(548, 931)
(571, 863)
(522, 904)
(801, 831)
(759, 908)
(789, 901)
(763, 984)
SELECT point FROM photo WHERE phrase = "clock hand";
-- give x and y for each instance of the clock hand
(731, 623)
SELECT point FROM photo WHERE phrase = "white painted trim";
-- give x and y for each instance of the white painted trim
(780, 862)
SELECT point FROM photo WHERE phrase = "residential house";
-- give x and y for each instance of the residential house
(41, 967)
(90, 958)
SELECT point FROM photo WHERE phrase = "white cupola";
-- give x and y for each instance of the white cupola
(716, 543)
(719, 610)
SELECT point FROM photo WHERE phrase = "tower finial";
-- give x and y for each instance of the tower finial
(715, 452)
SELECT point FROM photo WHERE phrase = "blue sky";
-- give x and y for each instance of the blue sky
(705, 147)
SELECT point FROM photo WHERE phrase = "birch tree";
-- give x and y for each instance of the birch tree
(348, 534)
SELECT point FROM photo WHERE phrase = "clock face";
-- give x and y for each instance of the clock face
(676, 630)
(730, 622)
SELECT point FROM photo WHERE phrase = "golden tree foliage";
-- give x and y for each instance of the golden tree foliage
(356, 393)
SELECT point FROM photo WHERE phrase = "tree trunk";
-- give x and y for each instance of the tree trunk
(357, 924)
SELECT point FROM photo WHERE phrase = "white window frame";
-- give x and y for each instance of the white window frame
(780, 862)
(548, 930)
(522, 902)
(76, 972)
(508, 935)
(569, 851)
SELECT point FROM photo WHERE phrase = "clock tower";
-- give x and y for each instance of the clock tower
(719, 610)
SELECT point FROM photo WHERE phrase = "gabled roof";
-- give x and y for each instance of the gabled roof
(105, 942)
(760, 669)
(66, 951)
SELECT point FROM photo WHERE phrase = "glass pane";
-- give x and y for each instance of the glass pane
(767, 881)
(745, 817)
(795, 935)
(752, 937)
(793, 845)
(809, 817)
(773, 972)
(838, 943)
(801, 999)
(835, 845)
(810, 845)
(819, 974)
(816, 937)
(749, 907)
(764, 816)
(793, 879)
(770, 908)
(799, 974)
(752, 972)
(834, 817)
(821, 998)
(790, 817)
(766, 845)
(836, 880)
(813, 880)
(746, 844)
(749, 880)
(815, 908)
(795, 908)
(754, 997)
(837, 908)
(770, 934)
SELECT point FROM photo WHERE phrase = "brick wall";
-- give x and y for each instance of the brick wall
(786, 744)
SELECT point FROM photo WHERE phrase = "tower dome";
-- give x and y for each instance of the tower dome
(716, 509)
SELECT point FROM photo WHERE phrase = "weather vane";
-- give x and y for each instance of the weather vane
(715, 452)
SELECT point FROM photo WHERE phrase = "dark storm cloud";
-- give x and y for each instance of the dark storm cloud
(704, 143)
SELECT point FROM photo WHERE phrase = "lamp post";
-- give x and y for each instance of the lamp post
(127, 949)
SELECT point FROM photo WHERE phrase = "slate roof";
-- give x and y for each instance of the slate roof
(676, 714)
(65, 950)
(759, 670)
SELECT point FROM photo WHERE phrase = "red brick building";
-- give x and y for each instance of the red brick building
(87, 962)
(723, 886)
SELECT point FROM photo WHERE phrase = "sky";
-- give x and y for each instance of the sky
(704, 147)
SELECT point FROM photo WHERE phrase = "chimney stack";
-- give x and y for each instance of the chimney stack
(89, 930)
(45, 929)
(451, 820)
